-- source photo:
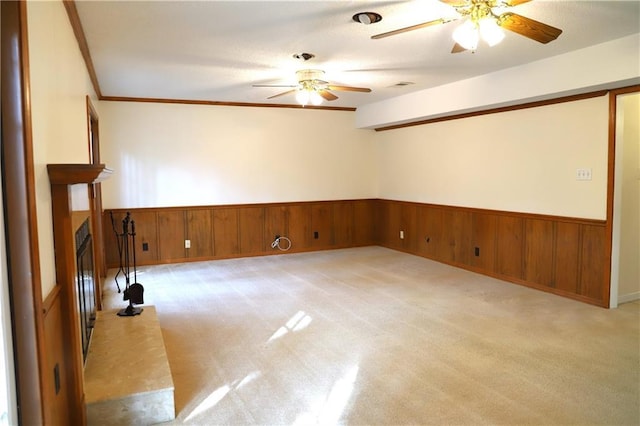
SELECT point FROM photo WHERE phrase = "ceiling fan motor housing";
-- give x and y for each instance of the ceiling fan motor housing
(309, 75)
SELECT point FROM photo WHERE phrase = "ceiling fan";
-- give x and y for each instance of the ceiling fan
(311, 88)
(483, 22)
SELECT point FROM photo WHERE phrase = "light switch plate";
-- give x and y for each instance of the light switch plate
(583, 174)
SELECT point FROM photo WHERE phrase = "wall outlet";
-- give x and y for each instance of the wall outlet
(402, 235)
(583, 174)
(145, 246)
(187, 243)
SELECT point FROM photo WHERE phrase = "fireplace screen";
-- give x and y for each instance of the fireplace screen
(85, 283)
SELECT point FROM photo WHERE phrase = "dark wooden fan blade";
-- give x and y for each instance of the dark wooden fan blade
(282, 94)
(349, 88)
(529, 28)
(457, 48)
(411, 28)
(327, 95)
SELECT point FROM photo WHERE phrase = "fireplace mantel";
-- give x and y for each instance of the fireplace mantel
(63, 177)
(71, 174)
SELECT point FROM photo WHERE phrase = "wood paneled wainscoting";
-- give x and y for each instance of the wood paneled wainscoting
(218, 232)
(565, 256)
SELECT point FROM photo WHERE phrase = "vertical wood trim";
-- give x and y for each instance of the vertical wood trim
(263, 225)
(287, 227)
(523, 248)
(212, 218)
(611, 168)
(30, 178)
(580, 257)
(157, 234)
(93, 122)
(185, 231)
(25, 287)
(495, 245)
(65, 276)
(95, 200)
(554, 254)
(238, 235)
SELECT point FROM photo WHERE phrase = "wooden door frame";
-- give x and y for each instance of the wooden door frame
(611, 171)
(95, 197)
(20, 218)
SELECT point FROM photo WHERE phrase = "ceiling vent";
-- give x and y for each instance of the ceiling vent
(304, 56)
(403, 83)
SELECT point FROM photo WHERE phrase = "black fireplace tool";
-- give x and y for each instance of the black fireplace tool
(133, 292)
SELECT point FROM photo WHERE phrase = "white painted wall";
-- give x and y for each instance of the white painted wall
(59, 86)
(184, 155)
(522, 161)
(607, 65)
(525, 161)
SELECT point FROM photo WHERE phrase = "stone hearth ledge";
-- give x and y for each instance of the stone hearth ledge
(127, 374)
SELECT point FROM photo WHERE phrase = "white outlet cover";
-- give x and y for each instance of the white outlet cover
(583, 174)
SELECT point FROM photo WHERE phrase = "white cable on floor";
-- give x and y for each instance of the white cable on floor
(276, 243)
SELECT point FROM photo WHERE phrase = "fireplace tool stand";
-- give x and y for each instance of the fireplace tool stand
(133, 292)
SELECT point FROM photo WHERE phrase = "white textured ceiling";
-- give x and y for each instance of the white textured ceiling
(216, 50)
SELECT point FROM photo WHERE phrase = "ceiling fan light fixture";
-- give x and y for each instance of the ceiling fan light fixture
(303, 96)
(490, 31)
(367, 18)
(467, 35)
(315, 98)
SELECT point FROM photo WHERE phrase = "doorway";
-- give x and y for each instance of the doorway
(625, 264)
(95, 197)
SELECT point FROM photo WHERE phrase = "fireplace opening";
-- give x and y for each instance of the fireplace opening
(85, 284)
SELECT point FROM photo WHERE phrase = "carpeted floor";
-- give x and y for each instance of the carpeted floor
(371, 336)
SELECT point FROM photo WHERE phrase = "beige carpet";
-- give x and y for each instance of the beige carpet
(377, 337)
